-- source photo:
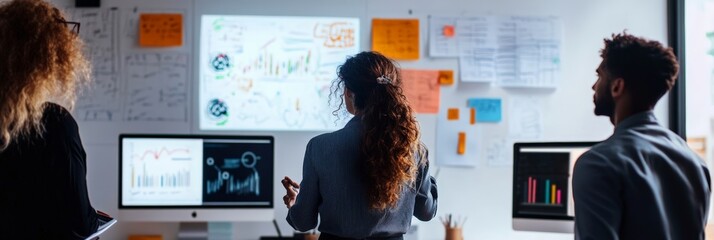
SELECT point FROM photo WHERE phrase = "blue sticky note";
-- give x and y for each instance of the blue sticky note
(487, 109)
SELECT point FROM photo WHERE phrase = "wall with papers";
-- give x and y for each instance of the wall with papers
(527, 66)
(530, 66)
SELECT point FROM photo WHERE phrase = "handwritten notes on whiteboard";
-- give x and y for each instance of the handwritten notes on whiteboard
(442, 37)
(131, 86)
(160, 30)
(487, 109)
(396, 38)
(422, 89)
(271, 73)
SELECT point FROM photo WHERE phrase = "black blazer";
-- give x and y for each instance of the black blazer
(43, 188)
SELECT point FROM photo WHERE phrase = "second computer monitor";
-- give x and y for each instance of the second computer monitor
(542, 189)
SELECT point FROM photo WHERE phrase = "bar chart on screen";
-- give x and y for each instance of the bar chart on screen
(552, 193)
(543, 183)
(164, 170)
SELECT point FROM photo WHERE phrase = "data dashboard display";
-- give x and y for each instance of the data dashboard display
(218, 172)
(272, 73)
(543, 176)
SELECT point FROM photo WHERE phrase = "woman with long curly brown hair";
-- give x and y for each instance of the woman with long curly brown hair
(368, 179)
(42, 161)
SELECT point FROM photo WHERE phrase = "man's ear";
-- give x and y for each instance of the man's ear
(617, 87)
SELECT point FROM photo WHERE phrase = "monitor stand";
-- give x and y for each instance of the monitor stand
(205, 230)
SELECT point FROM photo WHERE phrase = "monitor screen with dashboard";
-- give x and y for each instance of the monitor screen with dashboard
(542, 189)
(195, 177)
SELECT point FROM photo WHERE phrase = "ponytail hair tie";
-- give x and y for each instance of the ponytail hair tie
(384, 80)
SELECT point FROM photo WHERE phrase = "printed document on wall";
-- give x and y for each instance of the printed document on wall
(512, 51)
(477, 49)
(443, 40)
(529, 52)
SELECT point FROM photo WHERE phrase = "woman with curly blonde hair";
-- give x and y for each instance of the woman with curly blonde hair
(42, 161)
(368, 179)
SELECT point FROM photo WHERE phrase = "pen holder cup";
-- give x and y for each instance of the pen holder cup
(312, 236)
(455, 233)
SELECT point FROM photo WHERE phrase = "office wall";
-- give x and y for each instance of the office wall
(482, 193)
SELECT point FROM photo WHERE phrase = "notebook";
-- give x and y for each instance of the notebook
(105, 223)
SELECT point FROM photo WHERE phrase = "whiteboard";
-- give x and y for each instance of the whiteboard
(133, 89)
(271, 73)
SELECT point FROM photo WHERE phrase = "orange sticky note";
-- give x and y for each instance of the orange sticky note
(462, 143)
(160, 30)
(452, 114)
(146, 237)
(473, 116)
(396, 38)
(446, 77)
(449, 31)
(422, 90)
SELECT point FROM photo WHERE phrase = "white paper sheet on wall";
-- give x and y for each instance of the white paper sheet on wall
(457, 139)
(498, 151)
(477, 49)
(511, 51)
(157, 87)
(101, 101)
(443, 40)
(528, 52)
(525, 119)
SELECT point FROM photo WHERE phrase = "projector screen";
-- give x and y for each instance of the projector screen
(272, 73)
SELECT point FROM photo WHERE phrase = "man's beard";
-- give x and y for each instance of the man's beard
(605, 104)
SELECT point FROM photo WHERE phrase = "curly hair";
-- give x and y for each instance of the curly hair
(40, 60)
(648, 69)
(390, 135)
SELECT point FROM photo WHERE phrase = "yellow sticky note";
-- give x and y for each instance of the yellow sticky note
(462, 143)
(446, 77)
(421, 89)
(396, 38)
(160, 30)
(452, 114)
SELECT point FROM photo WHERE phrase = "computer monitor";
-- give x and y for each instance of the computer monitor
(542, 189)
(195, 178)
